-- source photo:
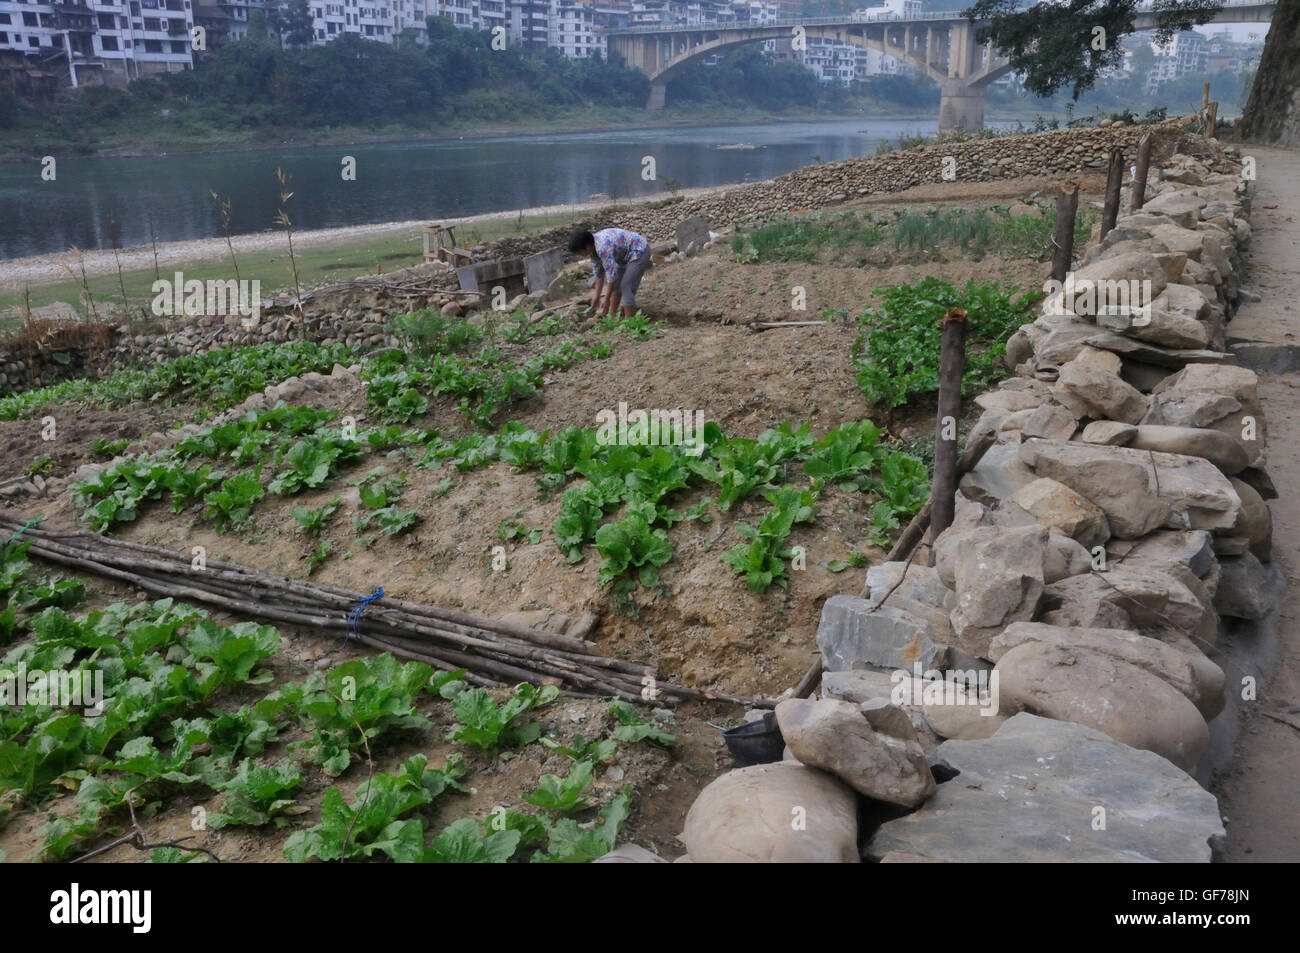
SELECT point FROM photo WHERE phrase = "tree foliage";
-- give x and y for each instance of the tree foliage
(1069, 44)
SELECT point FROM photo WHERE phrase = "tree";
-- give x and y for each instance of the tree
(1072, 42)
(292, 21)
(1272, 112)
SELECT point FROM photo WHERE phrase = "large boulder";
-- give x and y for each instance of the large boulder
(1256, 520)
(941, 707)
(909, 580)
(1221, 450)
(1162, 660)
(997, 475)
(872, 749)
(998, 578)
(1147, 596)
(1055, 504)
(1247, 588)
(1139, 490)
(1103, 692)
(853, 633)
(1030, 794)
(1174, 319)
(1179, 206)
(782, 813)
(1086, 390)
(1223, 398)
(1163, 548)
(1115, 481)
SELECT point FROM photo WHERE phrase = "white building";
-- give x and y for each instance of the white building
(573, 30)
(101, 41)
(889, 10)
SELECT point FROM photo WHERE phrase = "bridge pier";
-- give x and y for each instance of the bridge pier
(960, 106)
(657, 93)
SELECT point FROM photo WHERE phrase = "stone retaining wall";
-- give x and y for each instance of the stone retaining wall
(1107, 581)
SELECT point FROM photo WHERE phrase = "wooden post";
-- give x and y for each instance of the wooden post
(1067, 203)
(952, 364)
(1138, 197)
(1205, 98)
(1211, 118)
(1114, 179)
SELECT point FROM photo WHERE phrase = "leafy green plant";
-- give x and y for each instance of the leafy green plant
(898, 359)
(232, 504)
(563, 794)
(630, 545)
(41, 465)
(108, 448)
(467, 841)
(633, 727)
(313, 521)
(599, 750)
(486, 725)
(257, 794)
(371, 696)
(310, 463)
(567, 842)
(376, 820)
(761, 560)
(845, 452)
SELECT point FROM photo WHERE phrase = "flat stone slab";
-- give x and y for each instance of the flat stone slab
(852, 635)
(1029, 794)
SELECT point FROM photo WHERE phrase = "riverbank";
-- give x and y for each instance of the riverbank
(135, 143)
(50, 284)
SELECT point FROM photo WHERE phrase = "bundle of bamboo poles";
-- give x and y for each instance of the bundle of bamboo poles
(493, 651)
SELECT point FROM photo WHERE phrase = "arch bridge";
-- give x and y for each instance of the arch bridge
(941, 46)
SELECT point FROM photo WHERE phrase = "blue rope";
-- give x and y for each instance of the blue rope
(354, 617)
(25, 528)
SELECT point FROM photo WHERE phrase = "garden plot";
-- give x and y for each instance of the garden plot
(476, 443)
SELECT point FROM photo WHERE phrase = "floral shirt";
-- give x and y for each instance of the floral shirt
(614, 246)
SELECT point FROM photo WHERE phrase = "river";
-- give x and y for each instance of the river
(399, 181)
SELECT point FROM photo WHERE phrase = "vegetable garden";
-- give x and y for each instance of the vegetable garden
(467, 474)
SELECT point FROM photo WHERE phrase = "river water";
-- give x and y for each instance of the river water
(399, 181)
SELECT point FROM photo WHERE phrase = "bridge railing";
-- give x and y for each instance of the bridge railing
(847, 21)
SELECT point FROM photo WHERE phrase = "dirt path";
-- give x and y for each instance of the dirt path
(1260, 795)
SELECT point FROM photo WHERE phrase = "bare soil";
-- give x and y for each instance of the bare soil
(702, 626)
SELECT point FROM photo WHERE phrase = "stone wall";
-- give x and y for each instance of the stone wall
(1107, 582)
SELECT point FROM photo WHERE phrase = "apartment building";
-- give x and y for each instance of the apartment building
(573, 30)
(99, 41)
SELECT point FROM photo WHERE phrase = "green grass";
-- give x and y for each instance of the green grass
(804, 239)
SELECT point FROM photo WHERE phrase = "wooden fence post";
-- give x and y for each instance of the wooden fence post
(1114, 180)
(1067, 203)
(952, 364)
(1138, 197)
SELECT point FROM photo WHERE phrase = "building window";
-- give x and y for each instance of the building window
(29, 19)
(33, 41)
(153, 46)
(108, 42)
(181, 47)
